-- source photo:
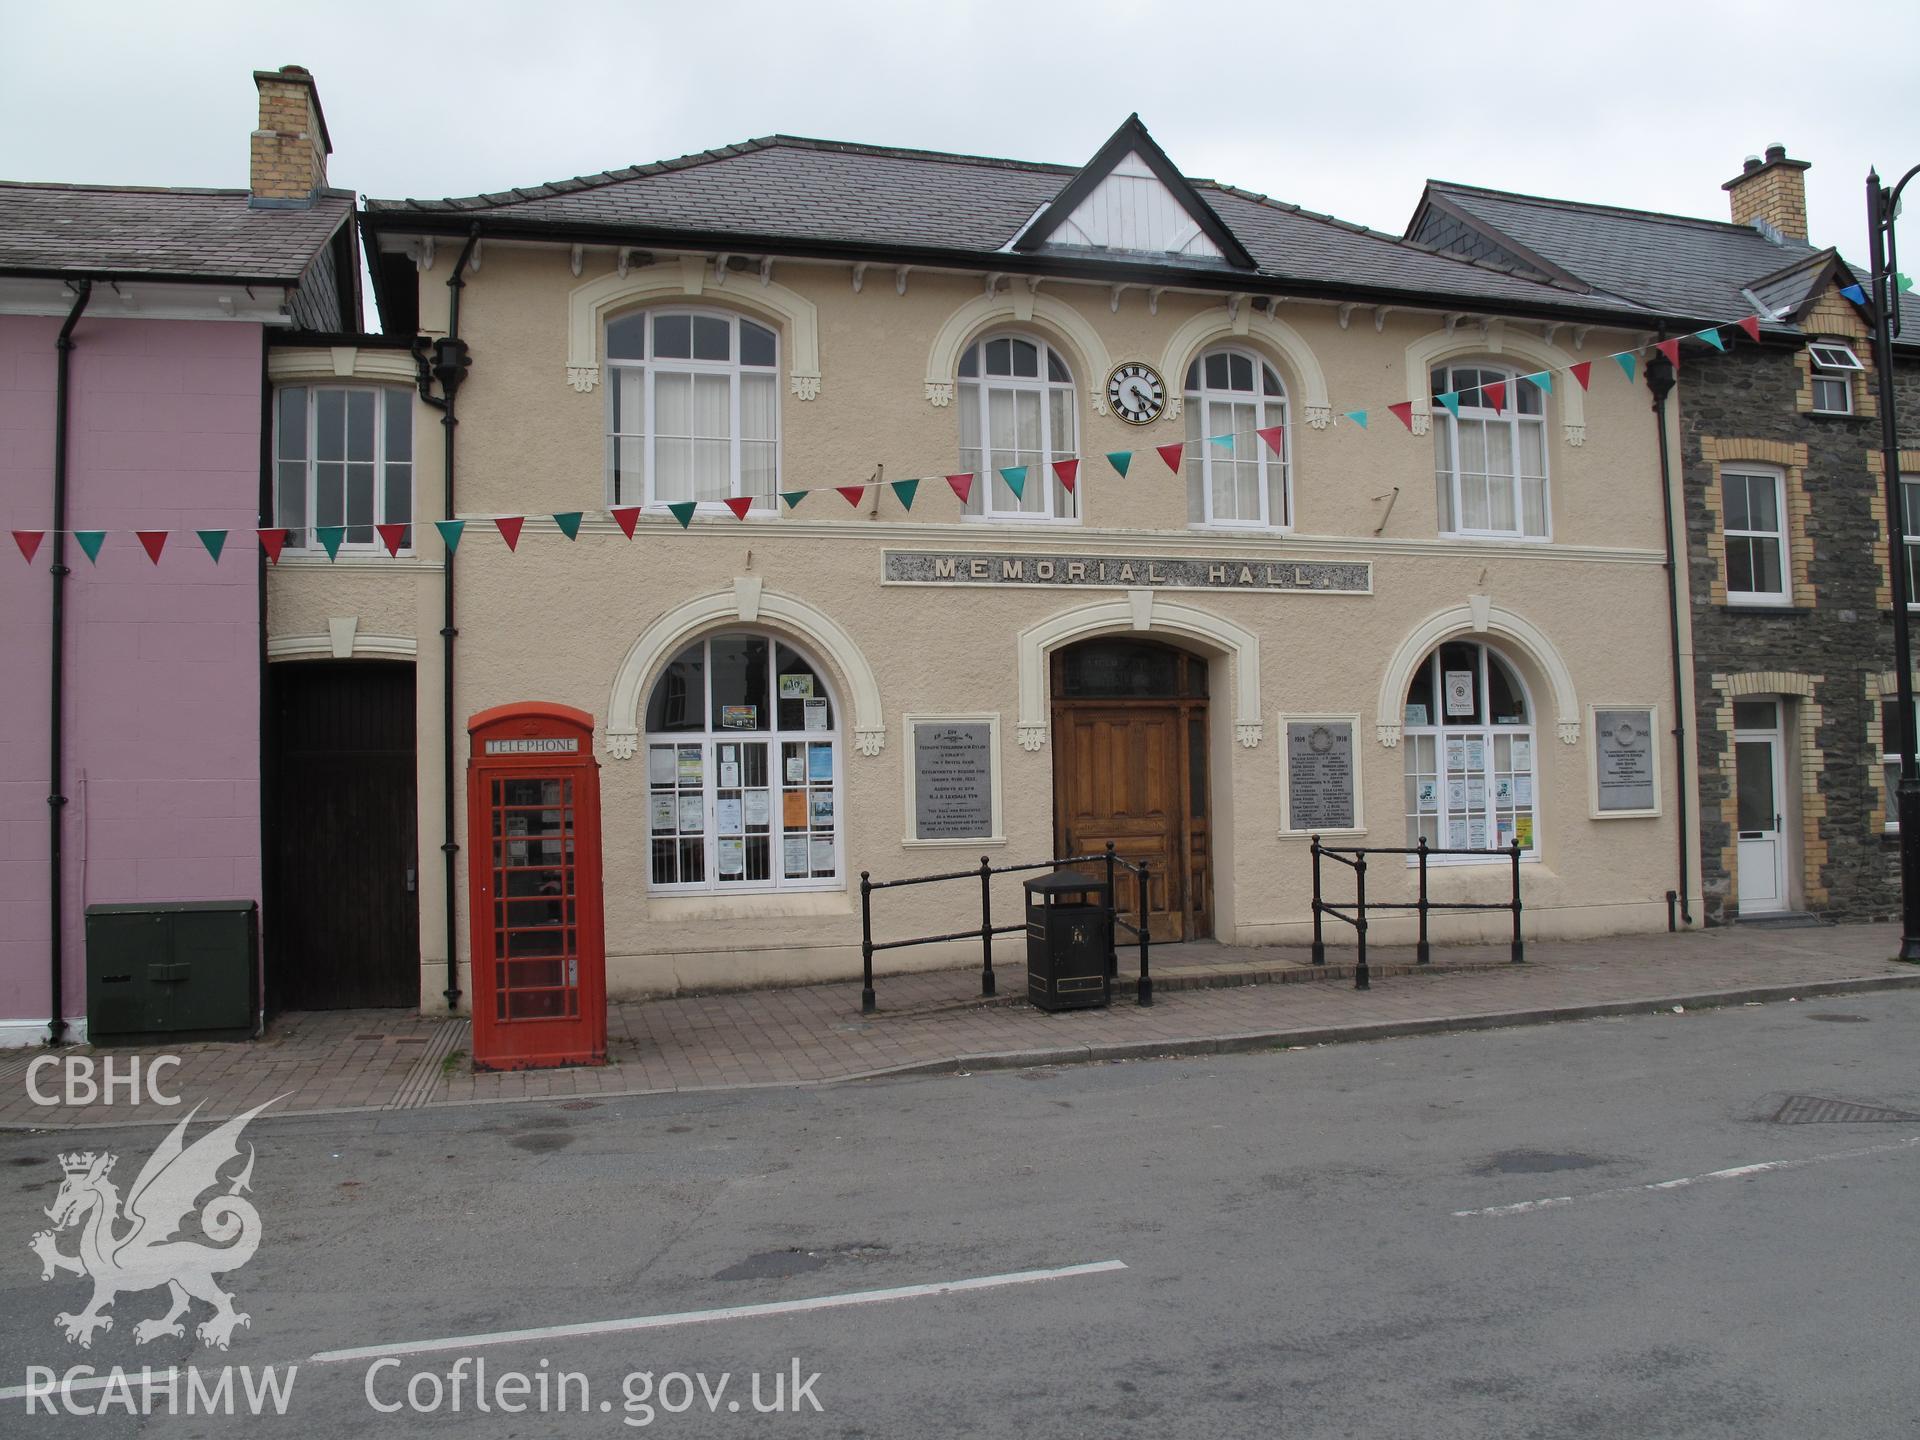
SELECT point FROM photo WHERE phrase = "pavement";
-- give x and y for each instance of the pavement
(1656, 1225)
(1208, 999)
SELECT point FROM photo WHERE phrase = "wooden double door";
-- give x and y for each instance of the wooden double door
(1130, 766)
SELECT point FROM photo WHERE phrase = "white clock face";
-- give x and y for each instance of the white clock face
(1136, 393)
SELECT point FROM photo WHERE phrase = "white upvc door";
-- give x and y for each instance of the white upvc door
(1759, 790)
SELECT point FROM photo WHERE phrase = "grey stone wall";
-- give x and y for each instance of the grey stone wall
(1752, 393)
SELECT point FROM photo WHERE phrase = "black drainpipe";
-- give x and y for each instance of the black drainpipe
(448, 364)
(1660, 379)
(57, 765)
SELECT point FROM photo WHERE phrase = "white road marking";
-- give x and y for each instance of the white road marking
(729, 1312)
(1738, 1172)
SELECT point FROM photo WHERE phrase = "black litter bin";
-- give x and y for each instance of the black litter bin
(1069, 937)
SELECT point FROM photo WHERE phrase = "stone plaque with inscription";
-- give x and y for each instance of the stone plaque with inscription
(952, 780)
(1623, 742)
(1320, 775)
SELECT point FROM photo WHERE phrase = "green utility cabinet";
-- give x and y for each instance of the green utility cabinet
(172, 968)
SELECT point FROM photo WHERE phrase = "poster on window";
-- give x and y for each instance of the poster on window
(692, 771)
(729, 774)
(739, 717)
(1523, 831)
(1456, 794)
(660, 765)
(793, 810)
(1459, 692)
(1456, 834)
(662, 823)
(1623, 757)
(693, 815)
(1456, 755)
(1523, 754)
(1427, 795)
(820, 811)
(793, 855)
(1477, 832)
(796, 687)
(822, 855)
(1416, 715)
(820, 764)
(727, 817)
(1476, 755)
(759, 810)
(795, 768)
(733, 857)
(816, 714)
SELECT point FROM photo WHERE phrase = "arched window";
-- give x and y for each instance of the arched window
(1016, 408)
(1490, 463)
(1469, 745)
(1235, 392)
(693, 408)
(743, 769)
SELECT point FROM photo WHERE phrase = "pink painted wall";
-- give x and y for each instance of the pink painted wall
(163, 678)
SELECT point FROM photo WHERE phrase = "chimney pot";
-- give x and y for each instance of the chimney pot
(1771, 194)
(1750, 164)
(1776, 151)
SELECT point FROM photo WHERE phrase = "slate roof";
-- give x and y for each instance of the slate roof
(179, 234)
(1675, 264)
(823, 196)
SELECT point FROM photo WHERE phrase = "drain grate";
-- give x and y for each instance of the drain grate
(1815, 1110)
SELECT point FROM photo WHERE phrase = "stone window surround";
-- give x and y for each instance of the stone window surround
(1881, 688)
(1525, 353)
(1792, 460)
(1877, 503)
(1832, 317)
(1801, 727)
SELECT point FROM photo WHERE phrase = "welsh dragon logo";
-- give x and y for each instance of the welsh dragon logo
(138, 1246)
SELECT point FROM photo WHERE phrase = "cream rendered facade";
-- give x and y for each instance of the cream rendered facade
(870, 354)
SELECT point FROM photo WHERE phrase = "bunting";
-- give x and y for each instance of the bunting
(1171, 454)
(330, 537)
(739, 505)
(1068, 471)
(273, 541)
(214, 540)
(509, 528)
(624, 516)
(904, 491)
(1403, 412)
(1582, 372)
(1496, 391)
(962, 485)
(852, 494)
(392, 536)
(683, 512)
(1120, 460)
(90, 543)
(1670, 349)
(569, 523)
(1276, 437)
(153, 542)
(1358, 417)
(450, 533)
(792, 497)
(29, 542)
(1712, 337)
(1016, 478)
(1627, 362)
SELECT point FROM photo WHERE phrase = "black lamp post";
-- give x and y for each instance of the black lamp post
(1884, 311)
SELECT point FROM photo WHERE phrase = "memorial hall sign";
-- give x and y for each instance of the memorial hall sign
(975, 567)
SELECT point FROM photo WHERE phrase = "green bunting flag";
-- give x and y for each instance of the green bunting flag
(683, 512)
(1225, 442)
(1712, 337)
(569, 523)
(904, 490)
(1120, 460)
(1627, 363)
(1451, 399)
(330, 537)
(1358, 417)
(450, 533)
(793, 498)
(91, 541)
(214, 540)
(1016, 478)
(1544, 379)
(1903, 283)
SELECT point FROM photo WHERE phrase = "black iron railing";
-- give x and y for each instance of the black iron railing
(1354, 857)
(984, 873)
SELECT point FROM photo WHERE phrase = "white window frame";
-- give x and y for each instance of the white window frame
(986, 478)
(1833, 363)
(1447, 427)
(773, 737)
(912, 720)
(1890, 755)
(302, 539)
(764, 507)
(1778, 478)
(1199, 402)
(1910, 539)
(1487, 733)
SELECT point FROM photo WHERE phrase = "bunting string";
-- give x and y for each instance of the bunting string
(394, 536)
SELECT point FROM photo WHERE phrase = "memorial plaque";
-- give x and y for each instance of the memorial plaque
(1623, 751)
(952, 780)
(1320, 781)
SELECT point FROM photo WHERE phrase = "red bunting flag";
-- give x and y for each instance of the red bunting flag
(509, 528)
(1171, 454)
(1274, 435)
(1068, 471)
(392, 536)
(1583, 372)
(1670, 349)
(1403, 412)
(739, 505)
(1751, 326)
(624, 516)
(1496, 391)
(273, 542)
(153, 542)
(852, 494)
(962, 486)
(28, 541)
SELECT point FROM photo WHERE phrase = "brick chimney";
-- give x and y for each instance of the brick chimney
(290, 149)
(1771, 193)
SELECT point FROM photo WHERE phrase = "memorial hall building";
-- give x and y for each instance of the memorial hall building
(825, 509)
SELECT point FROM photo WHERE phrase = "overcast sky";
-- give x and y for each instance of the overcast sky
(1344, 108)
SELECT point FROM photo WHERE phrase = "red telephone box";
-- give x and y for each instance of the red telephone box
(533, 847)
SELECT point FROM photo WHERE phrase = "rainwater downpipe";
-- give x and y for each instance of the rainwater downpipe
(448, 364)
(56, 792)
(1660, 380)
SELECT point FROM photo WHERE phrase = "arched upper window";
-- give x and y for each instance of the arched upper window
(1490, 464)
(743, 769)
(1235, 392)
(1468, 738)
(1015, 395)
(693, 408)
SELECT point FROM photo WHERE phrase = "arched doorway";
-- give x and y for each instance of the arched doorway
(1130, 766)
